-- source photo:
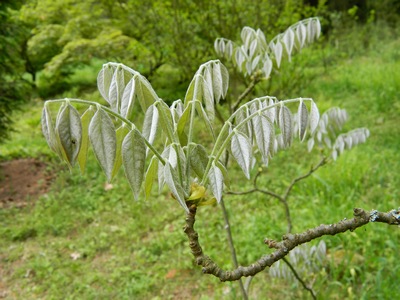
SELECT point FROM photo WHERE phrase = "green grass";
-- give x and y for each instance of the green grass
(128, 249)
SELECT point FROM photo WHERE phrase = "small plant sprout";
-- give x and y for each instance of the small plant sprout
(163, 145)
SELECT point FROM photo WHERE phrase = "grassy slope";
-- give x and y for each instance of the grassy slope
(131, 249)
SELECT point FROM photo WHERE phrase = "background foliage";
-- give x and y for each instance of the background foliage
(12, 88)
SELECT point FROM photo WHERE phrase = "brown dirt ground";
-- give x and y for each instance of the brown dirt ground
(21, 181)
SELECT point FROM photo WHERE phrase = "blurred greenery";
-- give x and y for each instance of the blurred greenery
(13, 89)
(85, 240)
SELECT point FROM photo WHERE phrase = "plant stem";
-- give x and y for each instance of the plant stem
(232, 246)
(247, 91)
(283, 247)
(305, 286)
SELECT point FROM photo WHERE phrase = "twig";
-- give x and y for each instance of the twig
(283, 199)
(232, 246)
(247, 91)
(322, 162)
(305, 286)
(288, 243)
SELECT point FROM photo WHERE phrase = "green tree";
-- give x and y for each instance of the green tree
(145, 35)
(13, 88)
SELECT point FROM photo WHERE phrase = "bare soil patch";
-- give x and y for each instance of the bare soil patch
(21, 181)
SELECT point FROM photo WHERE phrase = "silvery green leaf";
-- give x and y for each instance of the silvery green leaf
(225, 80)
(144, 92)
(276, 145)
(301, 33)
(181, 167)
(222, 46)
(229, 49)
(310, 144)
(314, 117)
(302, 115)
(104, 142)
(104, 81)
(272, 112)
(241, 151)
(246, 129)
(216, 182)
(182, 124)
(255, 62)
(172, 157)
(349, 142)
(317, 25)
(172, 181)
(160, 176)
(133, 157)
(340, 145)
(195, 90)
(208, 100)
(244, 33)
(198, 160)
(150, 176)
(120, 135)
(128, 100)
(165, 118)
(224, 171)
(278, 53)
(249, 69)
(248, 39)
(49, 132)
(253, 48)
(286, 125)
(217, 82)
(311, 31)
(85, 120)
(116, 89)
(319, 136)
(217, 47)
(204, 116)
(208, 78)
(150, 124)
(177, 107)
(288, 40)
(161, 180)
(328, 142)
(334, 154)
(239, 58)
(264, 135)
(261, 38)
(69, 131)
(190, 91)
(267, 67)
